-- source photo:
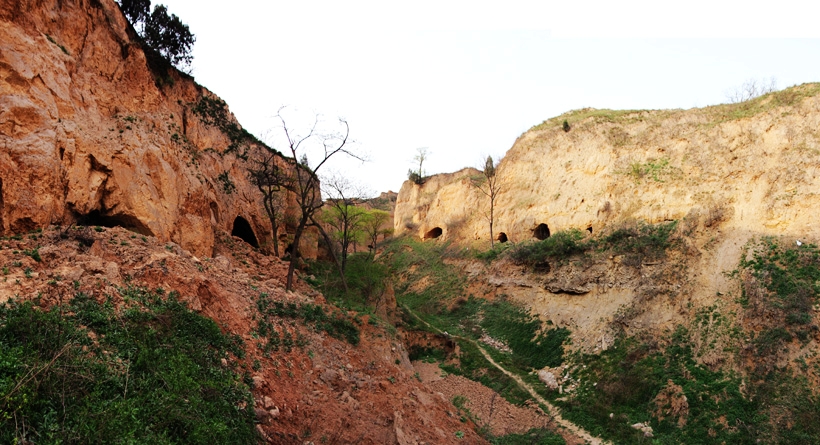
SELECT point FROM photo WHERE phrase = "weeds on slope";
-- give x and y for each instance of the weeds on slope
(435, 290)
(149, 372)
(621, 387)
(765, 395)
(637, 241)
(336, 325)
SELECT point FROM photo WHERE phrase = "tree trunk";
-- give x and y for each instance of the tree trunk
(492, 238)
(275, 230)
(295, 253)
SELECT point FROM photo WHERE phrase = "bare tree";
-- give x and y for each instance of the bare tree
(343, 215)
(417, 176)
(750, 89)
(421, 156)
(303, 180)
(272, 181)
(490, 185)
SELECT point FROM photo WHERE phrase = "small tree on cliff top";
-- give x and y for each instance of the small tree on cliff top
(417, 176)
(162, 32)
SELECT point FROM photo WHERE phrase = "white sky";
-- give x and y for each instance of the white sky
(466, 78)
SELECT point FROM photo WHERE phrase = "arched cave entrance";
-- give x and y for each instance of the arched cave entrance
(433, 233)
(97, 218)
(242, 229)
(502, 237)
(589, 229)
(541, 232)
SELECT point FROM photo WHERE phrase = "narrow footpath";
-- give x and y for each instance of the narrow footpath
(553, 410)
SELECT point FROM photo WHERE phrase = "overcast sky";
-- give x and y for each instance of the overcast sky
(465, 79)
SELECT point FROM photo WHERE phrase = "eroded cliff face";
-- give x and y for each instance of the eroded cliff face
(90, 134)
(751, 165)
(728, 174)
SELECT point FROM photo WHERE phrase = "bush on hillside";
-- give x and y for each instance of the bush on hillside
(148, 372)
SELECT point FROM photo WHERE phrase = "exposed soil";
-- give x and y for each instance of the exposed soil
(327, 391)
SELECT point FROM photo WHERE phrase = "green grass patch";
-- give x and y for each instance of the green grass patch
(532, 346)
(441, 302)
(34, 254)
(494, 253)
(655, 169)
(788, 97)
(645, 241)
(337, 325)
(638, 241)
(559, 246)
(576, 117)
(785, 289)
(474, 366)
(149, 372)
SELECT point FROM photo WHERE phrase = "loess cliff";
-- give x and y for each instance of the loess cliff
(729, 173)
(664, 243)
(755, 163)
(91, 133)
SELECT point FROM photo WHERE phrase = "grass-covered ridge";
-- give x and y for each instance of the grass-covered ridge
(715, 114)
(150, 371)
(336, 325)
(596, 115)
(787, 97)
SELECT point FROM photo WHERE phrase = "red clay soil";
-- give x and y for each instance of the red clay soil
(328, 391)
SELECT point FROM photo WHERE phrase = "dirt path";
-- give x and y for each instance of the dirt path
(572, 428)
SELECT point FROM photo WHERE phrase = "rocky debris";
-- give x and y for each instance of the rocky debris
(489, 408)
(548, 378)
(644, 428)
(497, 344)
(329, 387)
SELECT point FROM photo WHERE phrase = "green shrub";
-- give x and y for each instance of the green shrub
(560, 245)
(214, 112)
(415, 177)
(34, 254)
(336, 325)
(89, 373)
(646, 241)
